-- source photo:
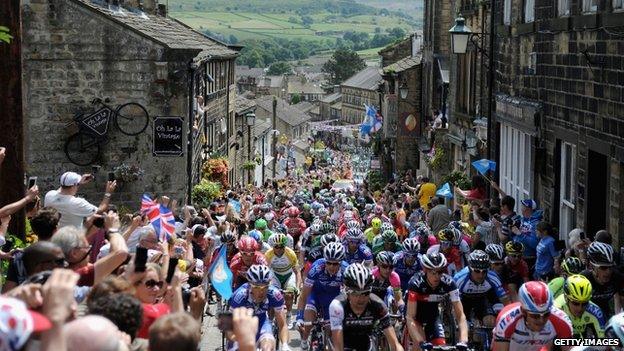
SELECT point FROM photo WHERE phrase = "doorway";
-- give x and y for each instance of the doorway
(597, 185)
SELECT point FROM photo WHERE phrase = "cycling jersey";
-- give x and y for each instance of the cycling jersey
(361, 255)
(470, 289)
(556, 286)
(370, 235)
(516, 274)
(325, 287)
(510, 327)
(356, 329)
(239, 268)
(425, 242)
(295, 227)
(314, 254)
(380, 286)
(428, 298)
(284, 264)
(590, 324)
(379, 245)
(603, 294)
(404, 271)
(274, 300)
(453, 257)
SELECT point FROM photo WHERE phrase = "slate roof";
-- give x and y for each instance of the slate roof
(367, 79)
(297, 86)
(261, 126)
(286, 112)
(243, 104)
(246, 71)
(304, 106)
(274, 81)
(166, 31)
(332, 98)
(403, 64)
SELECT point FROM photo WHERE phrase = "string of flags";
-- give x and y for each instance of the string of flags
(160, 217)
(372, 122)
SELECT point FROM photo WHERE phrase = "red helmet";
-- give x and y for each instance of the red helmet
(535, 297)
(293, 211)
(247, 244)
(378, 209)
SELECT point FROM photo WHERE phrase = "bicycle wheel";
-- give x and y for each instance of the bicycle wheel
(131, 118)
(82, 149)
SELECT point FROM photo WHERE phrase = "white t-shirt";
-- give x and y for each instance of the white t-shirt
(73, 209)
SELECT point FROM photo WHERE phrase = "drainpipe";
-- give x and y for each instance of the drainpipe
(189, 139)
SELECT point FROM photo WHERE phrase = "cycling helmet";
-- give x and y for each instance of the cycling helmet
(322, 212)
(378, 210)
(600, 254)
(496, 252)
(572, 265)
(307, 207)
(422, 231)
(389, 236)
(247, 244)
(577, 288)
(329, 238)
(535, 297)
(478, 259)
(315, 228)
(411, 246)
(259, 274)
(353, 225)
(386, 226)
(278, 239)
(455, 224)
(446, 234)
(354, 234)
(376, 223)
(357, 277)
(385, 257)
(288, 203)
(228, 237)
(261, 224)
(457, 236)
(615, 327)
(293, 211)
(327, 228)
(334, 252)
(347, 216)
(434, 260)
(349, 206)
(256, 235)
(514, 247)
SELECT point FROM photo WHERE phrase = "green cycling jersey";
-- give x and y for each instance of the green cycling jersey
(556, 286)
(589, 325)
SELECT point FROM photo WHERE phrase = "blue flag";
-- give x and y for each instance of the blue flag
(446, 191)
(484, 165)
(221, 275)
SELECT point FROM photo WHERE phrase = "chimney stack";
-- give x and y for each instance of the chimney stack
(150, 6)
(162, 10)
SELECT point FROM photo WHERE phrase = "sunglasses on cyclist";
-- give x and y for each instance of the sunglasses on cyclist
(278, 247)
(579, 304)
(154, 283)
(515, 255)
(480, 271)
(386, 266)
(259, 286)
(538, 315)
(332, 263)
(359, 293)
(604, 268)
(436, 272)
(247, 253)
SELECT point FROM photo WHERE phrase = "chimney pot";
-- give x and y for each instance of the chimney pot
(162, 10)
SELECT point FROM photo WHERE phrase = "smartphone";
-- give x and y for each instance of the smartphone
(173, 263)
(99, 222)
(111, 176)
(32, 181)
(140, 259)
(224, 322)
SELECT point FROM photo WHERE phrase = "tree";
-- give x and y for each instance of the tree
(279, 68)
(4, 35)
(295, 99)
(306, 20)
(343, 64)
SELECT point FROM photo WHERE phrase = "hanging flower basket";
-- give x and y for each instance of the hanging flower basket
(249, 165)
(216, 170)
(128, 173)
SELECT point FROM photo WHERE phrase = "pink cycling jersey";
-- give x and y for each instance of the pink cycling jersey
(395, 281)
(511, 327)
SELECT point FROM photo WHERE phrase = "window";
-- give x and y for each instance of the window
(563, 8)
(618, 5)
(590, 5)
(567, 193)
(507, 12)
(529, 11)
(516, 163)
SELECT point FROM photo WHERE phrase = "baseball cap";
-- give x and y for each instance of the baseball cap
(17, 323)
(530, 204)
(70, 179)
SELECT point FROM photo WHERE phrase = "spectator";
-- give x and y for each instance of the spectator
(526, 233)
(439, 216)
(72, 208)
(42, 256)
(177, 331)
(76, 250)
(94, 333)
(425, 191)
(507, 220)
(577, 244)
(124, 310)
(478, 191)
(109, 286)
(484, 227)
(245, 327)
(546, 253)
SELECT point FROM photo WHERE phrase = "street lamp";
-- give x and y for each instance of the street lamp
(251, 120)
(403, 90)
(460, 34)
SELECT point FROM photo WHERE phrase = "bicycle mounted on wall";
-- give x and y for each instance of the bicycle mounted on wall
(83, 148)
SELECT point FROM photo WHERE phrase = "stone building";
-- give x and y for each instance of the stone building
(245, 143)
(560, 105)
(328, 107)
(306, 90)
(290, 122)
(77, 50)
(358, 90)
(271, 85)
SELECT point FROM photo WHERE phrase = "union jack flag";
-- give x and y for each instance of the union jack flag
(160, 217)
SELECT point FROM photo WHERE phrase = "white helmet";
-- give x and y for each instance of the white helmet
(357, 277)
(259, 274)
(334, 252)
(434, 260)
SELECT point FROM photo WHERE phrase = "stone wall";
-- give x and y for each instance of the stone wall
(71, 56)
(407, 153)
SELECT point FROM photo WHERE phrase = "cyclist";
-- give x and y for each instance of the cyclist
(354, 315)
(406, 262)
(262, 297)
(347, 224)
(615, 328)
(587, 318)
(517, 272)
(569, 266)
(480, 288)
(605, 279)
(451, 253)
(257, 236)
(247, 255)
(426, 290)
(289, 240)
(307, 214)
(261, 226)
(424, 236)
(378, 212)
(229, 240)
(373, 231)
(531, 324)
(309, 239)
(321, 286)
(285, 267)
(317, 251)
(356, 249)
(295, 226)
(387, 241)
(386, 282)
